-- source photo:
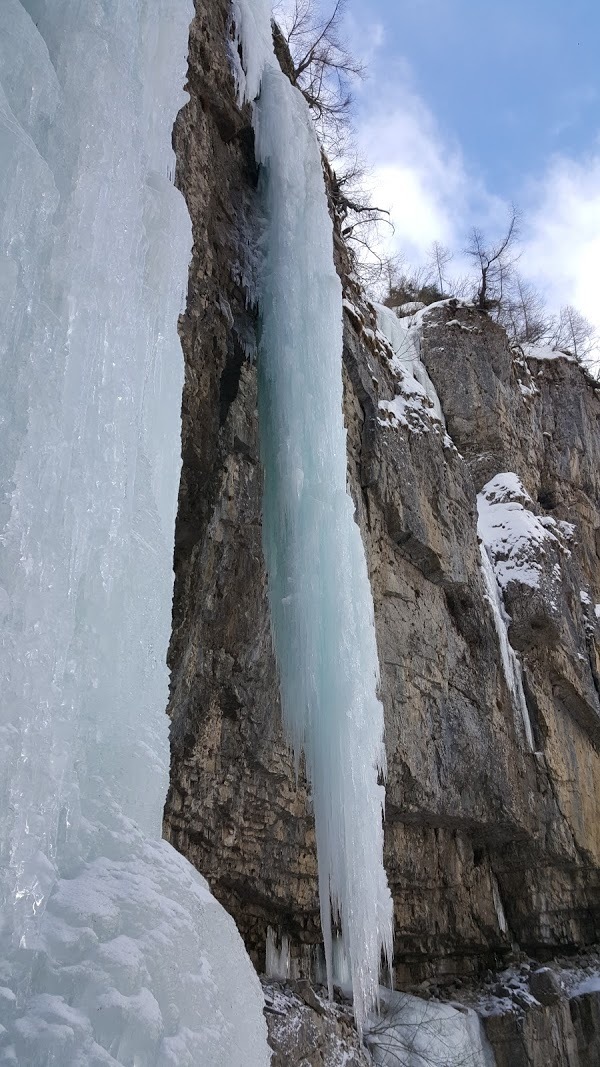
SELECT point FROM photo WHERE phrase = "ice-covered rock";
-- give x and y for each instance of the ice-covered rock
(412, 1032)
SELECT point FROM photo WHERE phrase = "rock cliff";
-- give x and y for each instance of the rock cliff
(492, 844)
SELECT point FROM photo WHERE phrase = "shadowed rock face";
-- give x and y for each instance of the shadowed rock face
(487, 843)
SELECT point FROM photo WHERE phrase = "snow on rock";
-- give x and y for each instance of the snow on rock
(112, 949)
(525, 380)
(411, 1032)
(305, 1027)
(409, 308)
(545, 352)
(320, 597)
(516, 538)
(457, 324)
(528, 390)
(416, 404)
(586, 985)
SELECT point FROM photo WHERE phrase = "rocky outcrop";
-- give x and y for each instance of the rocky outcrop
(306, 1030)
(488, 844)
(564, 1033)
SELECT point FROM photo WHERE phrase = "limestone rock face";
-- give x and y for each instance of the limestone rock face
(488, 844)
(307, 1032)
(561, 1034)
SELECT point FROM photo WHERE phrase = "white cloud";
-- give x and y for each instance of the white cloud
(432, 193)
(417, 173)
(563, 241)
(364, 38)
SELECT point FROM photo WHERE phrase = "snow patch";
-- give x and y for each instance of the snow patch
(416, 404)
(544, 352)
(516, 538)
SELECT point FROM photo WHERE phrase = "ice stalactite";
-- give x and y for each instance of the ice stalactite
(319, 591)
(510, 663)
(112, 949)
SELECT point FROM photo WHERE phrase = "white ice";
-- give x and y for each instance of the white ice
(113, 950)
(277, 962)
(588, 985)
(320, 596)
(412, 1032)
(510, 661)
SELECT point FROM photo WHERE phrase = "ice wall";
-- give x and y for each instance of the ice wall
(320, 596)
(112, 949)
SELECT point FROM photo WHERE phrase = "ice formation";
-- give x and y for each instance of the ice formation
(511, 539)
(320, 596)
(112, 949)
(277, 961)
(510, 662)
(412, 1032)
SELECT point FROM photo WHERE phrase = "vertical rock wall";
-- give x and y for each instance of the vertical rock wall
(487, 843)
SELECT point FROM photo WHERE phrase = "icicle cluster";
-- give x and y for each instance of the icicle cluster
(320, 596)
(112, 950)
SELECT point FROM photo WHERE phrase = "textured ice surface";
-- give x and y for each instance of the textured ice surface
(113, 951)
(426, 1033)
(320, 596)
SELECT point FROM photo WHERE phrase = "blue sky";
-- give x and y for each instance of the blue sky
(515, 81)
(468, 107)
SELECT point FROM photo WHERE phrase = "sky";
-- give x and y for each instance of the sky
(469, 107)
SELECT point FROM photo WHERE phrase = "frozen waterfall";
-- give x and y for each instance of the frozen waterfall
(320, 596)
(510, 662)
(112, 949)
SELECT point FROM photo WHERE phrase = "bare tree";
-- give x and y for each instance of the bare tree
(439, 258)
(574, 334)
(352, 200)
(494, 263)
(322, 66)
(408, 1031)
(523, 312)
(407, 285)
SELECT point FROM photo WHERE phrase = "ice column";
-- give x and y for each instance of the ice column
(320, 596)
(112, 949)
